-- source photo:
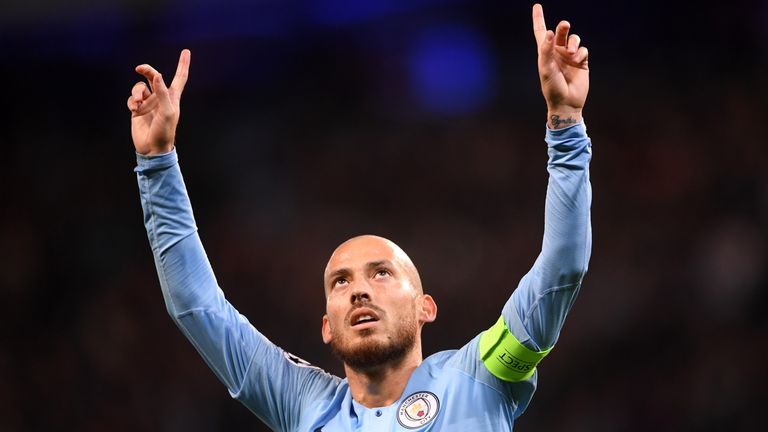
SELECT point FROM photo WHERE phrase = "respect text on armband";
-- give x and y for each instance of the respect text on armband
(514, 363)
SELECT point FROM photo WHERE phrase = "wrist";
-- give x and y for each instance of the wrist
(562, 118)
(157, 151)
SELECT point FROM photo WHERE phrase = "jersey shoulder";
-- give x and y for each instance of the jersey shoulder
(466, 362)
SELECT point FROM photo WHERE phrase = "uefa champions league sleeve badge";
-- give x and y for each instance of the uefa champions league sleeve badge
(417, 410)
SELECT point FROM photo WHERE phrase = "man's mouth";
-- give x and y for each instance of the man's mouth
(363, 318)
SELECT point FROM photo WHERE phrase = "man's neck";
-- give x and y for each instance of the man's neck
(383, 385)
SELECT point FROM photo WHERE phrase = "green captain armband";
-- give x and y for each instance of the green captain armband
(505, 357)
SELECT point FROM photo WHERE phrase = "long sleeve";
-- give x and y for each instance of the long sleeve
(274, 385)
(537, 308)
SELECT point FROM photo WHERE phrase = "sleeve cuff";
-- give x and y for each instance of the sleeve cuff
(572, 131)
(156, 162)
(570, 134)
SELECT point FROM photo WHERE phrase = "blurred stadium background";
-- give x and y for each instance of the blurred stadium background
(307, 122)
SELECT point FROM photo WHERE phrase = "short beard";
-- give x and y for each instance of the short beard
(370, 355)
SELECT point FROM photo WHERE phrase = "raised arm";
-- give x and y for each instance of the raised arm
(537, 308)
(273, 384)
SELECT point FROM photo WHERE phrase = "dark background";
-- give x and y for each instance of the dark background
(308, 122)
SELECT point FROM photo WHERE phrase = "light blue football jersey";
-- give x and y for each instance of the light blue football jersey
(450, 391)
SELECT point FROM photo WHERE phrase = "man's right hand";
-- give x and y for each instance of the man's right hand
(155, 110)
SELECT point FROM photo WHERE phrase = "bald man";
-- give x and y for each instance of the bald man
(375, 303)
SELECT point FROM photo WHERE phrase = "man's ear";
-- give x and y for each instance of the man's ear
(326, 330)
(427, 308)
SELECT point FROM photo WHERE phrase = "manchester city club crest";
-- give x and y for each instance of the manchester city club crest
(417, 410)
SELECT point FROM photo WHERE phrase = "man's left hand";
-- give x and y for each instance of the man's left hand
(563, 71)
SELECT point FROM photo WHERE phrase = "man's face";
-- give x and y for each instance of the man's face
(375, 307)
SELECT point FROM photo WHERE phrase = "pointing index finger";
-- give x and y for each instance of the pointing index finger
(539, 26)
(182, 71)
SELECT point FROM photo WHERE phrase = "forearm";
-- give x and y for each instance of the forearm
(255, 371)
(546, 293)
(567, 228)
(185, 275)
(223, 337)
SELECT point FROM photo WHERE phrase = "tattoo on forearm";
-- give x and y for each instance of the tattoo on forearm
(557, 122)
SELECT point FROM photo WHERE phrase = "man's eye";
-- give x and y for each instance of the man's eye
(339, 281)
(382, 273)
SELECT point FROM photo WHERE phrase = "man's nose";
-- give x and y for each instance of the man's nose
(361, 294)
